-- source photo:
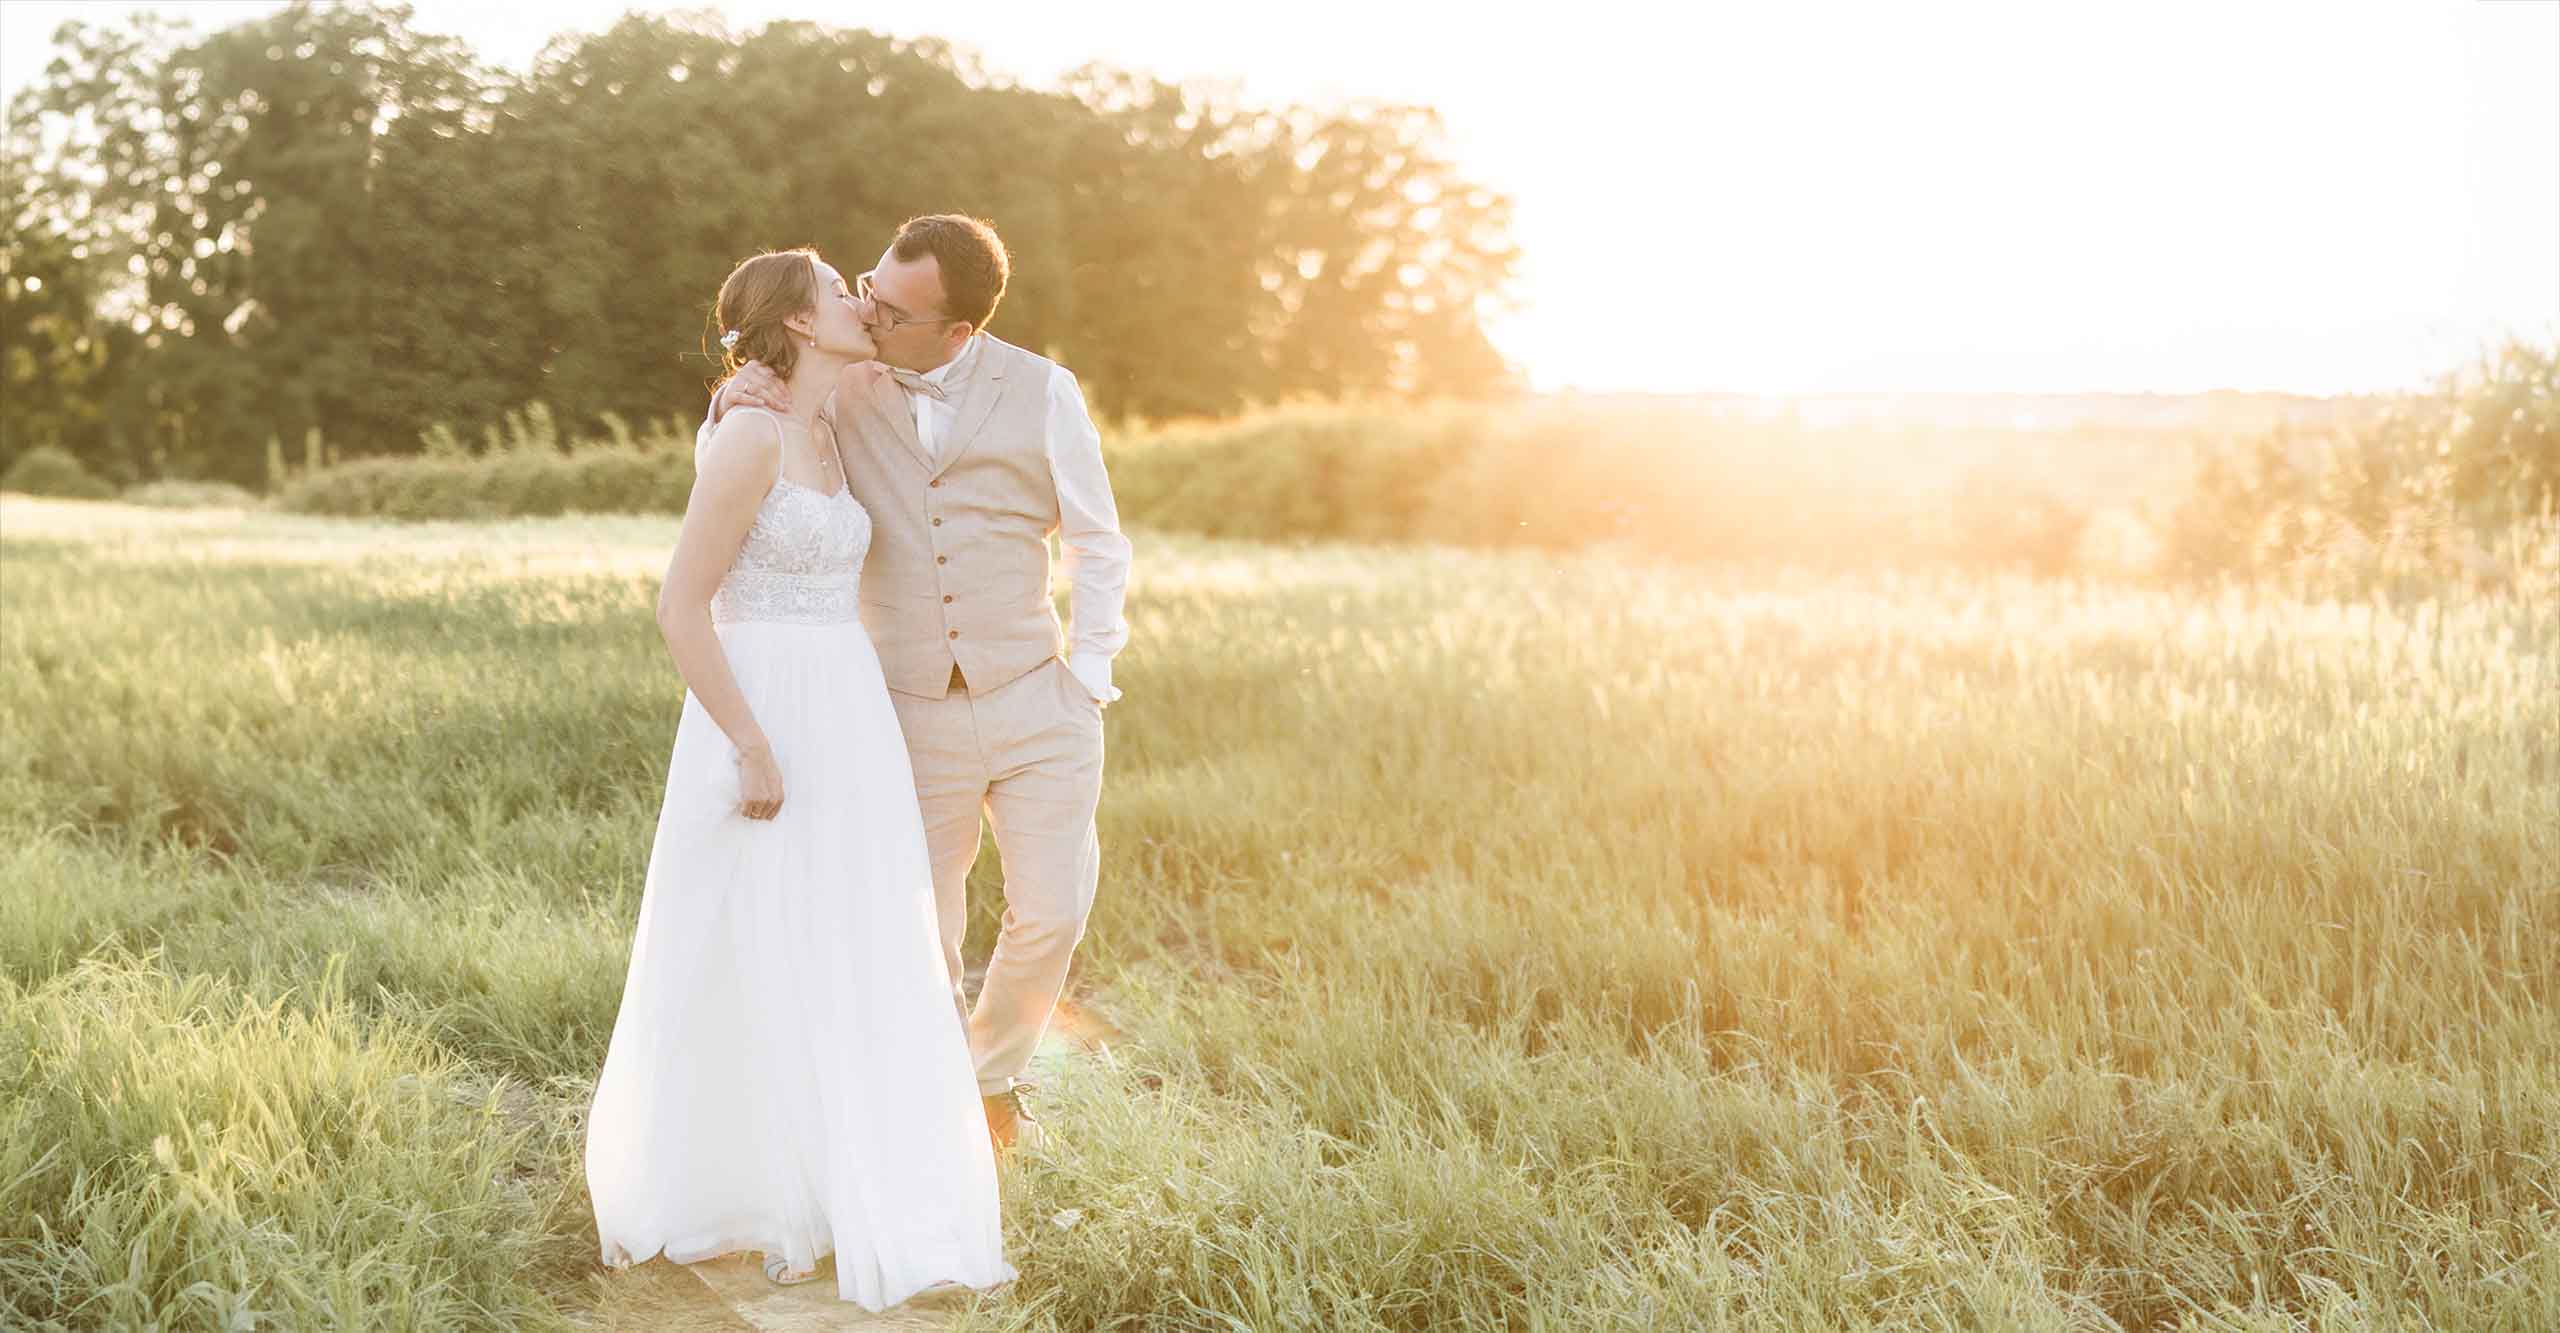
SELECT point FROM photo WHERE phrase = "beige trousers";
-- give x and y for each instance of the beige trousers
(1028, 755)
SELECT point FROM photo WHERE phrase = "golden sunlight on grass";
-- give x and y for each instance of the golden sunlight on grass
(1485, 940)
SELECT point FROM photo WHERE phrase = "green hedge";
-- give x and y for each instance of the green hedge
(51, 471)
(175, 494)
(1661, 480)
(2461, 481)
(600, 479)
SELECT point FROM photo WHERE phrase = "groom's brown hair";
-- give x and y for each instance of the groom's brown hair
(971, 257)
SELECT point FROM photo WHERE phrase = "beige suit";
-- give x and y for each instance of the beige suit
(955, 595)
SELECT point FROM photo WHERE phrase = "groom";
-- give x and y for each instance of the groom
(968, 452)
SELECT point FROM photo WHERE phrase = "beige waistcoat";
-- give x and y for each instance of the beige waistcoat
(959, 563)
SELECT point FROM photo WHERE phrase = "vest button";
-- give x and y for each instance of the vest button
(935, 482)
(955, 634)
(937, 522)
(946, 599)
(942, 560)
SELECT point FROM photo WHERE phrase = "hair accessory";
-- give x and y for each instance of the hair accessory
(729, 340)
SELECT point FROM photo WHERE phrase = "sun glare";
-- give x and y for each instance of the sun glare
(1990, 196)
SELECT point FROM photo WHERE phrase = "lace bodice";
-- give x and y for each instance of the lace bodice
(801, 562)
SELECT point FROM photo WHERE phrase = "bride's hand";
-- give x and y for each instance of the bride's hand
(755, 385)
(759, 784)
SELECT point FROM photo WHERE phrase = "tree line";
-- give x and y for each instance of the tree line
(327, 223)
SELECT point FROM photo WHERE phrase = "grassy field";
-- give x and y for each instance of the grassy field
(1501, 941)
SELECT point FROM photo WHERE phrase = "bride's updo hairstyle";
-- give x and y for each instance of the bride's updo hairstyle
(758, 296)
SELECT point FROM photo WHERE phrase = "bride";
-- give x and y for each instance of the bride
(787, 1073)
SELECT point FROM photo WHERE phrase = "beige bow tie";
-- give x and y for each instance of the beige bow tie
(916, 383)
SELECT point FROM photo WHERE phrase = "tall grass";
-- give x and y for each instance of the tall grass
(1499, 940)
(180, 1155)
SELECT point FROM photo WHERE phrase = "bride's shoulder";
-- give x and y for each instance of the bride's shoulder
(747, 440)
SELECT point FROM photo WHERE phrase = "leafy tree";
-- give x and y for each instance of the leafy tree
(326, 220)
(238, 184)
(1167, 223)
(1380, 255)
(54, 356)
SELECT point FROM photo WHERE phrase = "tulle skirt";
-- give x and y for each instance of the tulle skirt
(788, 1072)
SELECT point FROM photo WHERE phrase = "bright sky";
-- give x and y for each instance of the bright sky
(2318, 196)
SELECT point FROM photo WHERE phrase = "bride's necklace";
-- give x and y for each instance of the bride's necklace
(828, 467)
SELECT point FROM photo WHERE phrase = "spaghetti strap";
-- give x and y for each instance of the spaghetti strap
(780, 439)
(781, 442)
(782, 468)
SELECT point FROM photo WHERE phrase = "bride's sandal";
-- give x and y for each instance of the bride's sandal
(777, 1270)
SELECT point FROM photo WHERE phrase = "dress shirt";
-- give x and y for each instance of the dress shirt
(934, 416)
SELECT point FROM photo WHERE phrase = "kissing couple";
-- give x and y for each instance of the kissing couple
(859, 604)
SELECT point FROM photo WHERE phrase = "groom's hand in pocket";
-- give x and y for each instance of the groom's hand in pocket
(755, 385)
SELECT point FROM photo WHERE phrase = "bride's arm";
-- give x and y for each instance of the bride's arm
(736, 467)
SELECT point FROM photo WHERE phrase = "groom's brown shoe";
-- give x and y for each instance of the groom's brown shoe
(1010, 1123)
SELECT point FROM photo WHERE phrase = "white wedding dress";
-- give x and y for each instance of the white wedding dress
(787, 1072)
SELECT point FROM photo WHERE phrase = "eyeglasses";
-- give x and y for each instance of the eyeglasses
(890, 320)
